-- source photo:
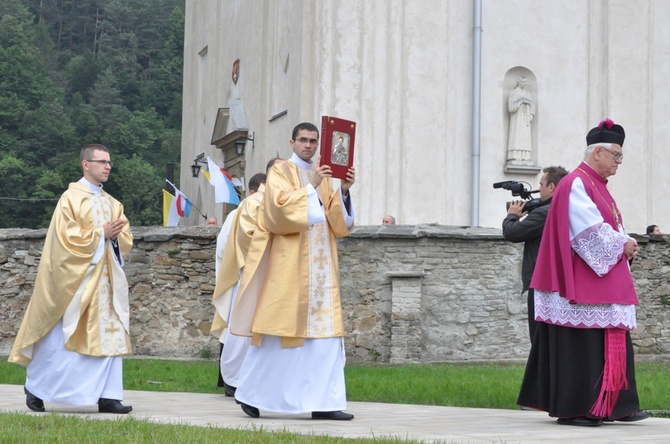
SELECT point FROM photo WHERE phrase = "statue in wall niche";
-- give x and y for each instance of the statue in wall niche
(521, 112)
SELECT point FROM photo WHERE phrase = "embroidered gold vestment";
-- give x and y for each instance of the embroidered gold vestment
(92, 299)
(290, 285)
(234, 255)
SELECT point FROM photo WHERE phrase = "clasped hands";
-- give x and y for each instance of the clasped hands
(632, 249)
(113, 228)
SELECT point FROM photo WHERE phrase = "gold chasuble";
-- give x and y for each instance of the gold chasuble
(241, 233)
(273, 301)
(92, 299)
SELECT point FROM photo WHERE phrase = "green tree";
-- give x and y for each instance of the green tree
(74, 72)
(137, 184)
(164, 91)
(33, 124)
(83, 118)
(48, 130)
(49, 186)
(15, 21)
(106, 103)
(80, 74)
(16, 182)
(143, 133)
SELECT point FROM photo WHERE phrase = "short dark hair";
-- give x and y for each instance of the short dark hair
(87, 150)
(651, 228)
(256, 181)
(304, 126)
(271, 163)
(554, 174)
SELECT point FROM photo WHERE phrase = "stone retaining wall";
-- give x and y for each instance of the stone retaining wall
(424, 293)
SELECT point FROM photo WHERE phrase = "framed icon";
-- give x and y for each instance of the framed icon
(338, 137)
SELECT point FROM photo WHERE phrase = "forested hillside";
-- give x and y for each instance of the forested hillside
(74, 72)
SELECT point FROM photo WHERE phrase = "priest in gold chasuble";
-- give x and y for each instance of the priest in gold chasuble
(239, 237)
(289, 296)
(76, 326)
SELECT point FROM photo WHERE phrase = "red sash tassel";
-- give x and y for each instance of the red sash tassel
(614, 373)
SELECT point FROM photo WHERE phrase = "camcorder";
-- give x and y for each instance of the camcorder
(520, 190)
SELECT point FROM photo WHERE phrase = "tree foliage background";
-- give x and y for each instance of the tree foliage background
(74, 72)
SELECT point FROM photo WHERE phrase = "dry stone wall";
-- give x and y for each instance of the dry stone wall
(424, 293)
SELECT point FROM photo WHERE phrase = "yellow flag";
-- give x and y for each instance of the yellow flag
(170, 215)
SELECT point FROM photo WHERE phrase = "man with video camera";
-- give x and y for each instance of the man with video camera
(528, 229)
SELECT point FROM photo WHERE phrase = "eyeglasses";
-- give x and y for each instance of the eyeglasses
(617, 156)
(305, 140)
(109, 163)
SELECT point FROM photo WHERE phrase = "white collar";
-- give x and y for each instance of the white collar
(97, 189)
(300, 163)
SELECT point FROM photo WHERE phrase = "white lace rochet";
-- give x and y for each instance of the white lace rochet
(551, 308)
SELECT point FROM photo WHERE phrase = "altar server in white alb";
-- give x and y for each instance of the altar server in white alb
(76, 326)
(289, 297)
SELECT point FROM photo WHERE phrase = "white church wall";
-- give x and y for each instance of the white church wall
(403, 70)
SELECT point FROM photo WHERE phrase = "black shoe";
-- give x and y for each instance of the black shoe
(112, 406)
(637, 416)
(230, 390)
(337, 415)
(249, 410)
(33, 402)
(580, 421)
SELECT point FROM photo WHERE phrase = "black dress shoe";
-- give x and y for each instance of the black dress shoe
(230, 390)
(112, 406)
(337, 415)
(33, 402)
(580, 421)
(637, 416)
(250, 410)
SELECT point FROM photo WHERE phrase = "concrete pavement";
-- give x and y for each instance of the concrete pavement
(424, 423)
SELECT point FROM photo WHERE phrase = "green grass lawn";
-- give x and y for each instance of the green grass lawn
(58, 429)
(464, 385)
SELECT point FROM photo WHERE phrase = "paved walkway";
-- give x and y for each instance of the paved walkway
(425, 423)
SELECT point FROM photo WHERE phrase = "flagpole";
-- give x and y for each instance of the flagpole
(198, 210)
(192, 206)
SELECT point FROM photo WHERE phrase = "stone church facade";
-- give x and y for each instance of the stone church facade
(429, 83)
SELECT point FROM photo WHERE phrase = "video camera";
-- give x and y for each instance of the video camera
(519, 189)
